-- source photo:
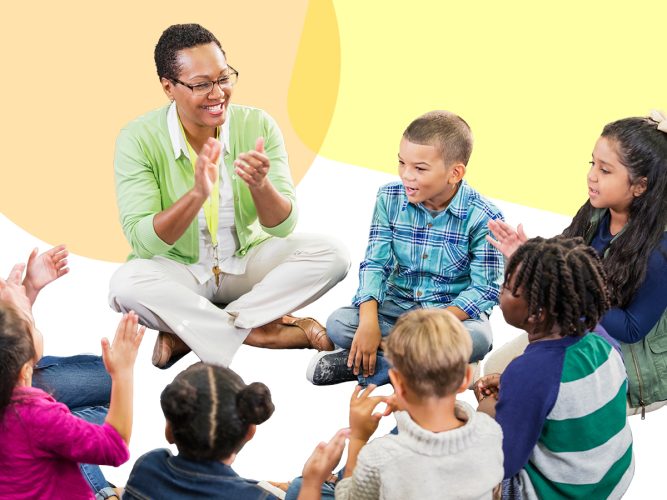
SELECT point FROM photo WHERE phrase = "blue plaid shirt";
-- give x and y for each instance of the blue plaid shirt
(435, 261)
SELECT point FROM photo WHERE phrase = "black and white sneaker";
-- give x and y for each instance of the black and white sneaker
(330, 367)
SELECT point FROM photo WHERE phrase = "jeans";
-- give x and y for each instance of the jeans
(343, 324)
(83, 384)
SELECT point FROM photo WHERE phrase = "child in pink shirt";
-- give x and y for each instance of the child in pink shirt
(42, 442)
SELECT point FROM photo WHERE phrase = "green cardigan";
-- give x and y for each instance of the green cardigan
(646, 360)
(150, 179)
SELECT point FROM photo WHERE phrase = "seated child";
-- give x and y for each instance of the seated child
(211, 414)
(42, 442)
(561, 404)
(427, 249)
(443, 449)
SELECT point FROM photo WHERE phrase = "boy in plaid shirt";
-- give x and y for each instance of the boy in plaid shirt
(427, 248)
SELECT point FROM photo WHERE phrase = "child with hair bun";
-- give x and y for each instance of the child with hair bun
(211, 414)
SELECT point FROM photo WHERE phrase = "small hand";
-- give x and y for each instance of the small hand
(253, 166)
(206, 167)
(488, 385)
(119, 357)
(324, 458)
(363, 351)
(507, 239)
(14, 293)
(44, 268)
(363, 422)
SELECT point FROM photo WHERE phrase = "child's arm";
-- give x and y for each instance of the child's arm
(14, 293)
(119, 359)
(367, 338)
(320, 464)
(485, 272)
(363, 423)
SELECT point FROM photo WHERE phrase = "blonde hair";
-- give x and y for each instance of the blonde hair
(446, 131)
(430, 348)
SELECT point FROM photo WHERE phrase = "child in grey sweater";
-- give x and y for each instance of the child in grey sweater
(443, 449)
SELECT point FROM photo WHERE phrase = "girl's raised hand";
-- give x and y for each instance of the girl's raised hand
(324, 458)
(119, 357)
(507, 239)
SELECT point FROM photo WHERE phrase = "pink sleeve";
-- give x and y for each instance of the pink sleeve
(57, 432)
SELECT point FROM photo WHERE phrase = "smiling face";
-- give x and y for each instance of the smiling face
(609, 183)
(200, 113)
(425, 176)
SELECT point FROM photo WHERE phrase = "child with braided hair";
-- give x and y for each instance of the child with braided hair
(625, 220)
(561, 404)
(211, 414)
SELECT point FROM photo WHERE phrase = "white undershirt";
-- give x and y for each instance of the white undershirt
(228, 242)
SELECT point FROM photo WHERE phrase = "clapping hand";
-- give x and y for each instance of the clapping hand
(507, 239)
(43, 269)
(253, 166)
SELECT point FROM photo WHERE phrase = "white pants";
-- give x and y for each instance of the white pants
(500, 358)
(282, 275)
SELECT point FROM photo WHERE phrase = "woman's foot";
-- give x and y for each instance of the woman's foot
(168, 349)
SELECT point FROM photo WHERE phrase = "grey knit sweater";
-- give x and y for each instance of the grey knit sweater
(465, 463)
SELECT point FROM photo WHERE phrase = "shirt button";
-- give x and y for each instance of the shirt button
(419, 294)
(425, 256)
(429, 225)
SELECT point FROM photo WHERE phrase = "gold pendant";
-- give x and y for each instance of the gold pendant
(217, 272)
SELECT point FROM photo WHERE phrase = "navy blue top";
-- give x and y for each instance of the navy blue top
(158, 474)
(631, 324)
(529, 388)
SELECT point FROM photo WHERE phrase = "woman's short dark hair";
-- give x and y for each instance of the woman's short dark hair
(176, 38)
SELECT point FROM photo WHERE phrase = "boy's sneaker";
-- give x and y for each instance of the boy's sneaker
(330, 367)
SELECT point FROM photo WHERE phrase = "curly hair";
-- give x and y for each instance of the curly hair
(210, 410)
(642, 149)
(564, 278)
(176, 38)
(16, 349)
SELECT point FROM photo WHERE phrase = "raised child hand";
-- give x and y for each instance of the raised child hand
(324, 458)
(363, 422)
(119, 357)
(507, 239)
(486, 386)
(43, 269)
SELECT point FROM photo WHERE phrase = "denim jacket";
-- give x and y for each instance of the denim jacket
(160, 475)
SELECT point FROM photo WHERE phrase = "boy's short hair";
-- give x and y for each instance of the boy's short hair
(430, 348)
(444, 130)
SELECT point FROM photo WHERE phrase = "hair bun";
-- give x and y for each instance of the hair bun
(179, 401)
(254, 404)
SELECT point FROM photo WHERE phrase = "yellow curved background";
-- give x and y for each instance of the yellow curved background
(76, 72)
(536, 81)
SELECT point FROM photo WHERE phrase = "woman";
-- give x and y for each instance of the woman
(208, 206)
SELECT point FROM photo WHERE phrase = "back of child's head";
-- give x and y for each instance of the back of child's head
(210, 410)
(444, 130)
(430, 348)
(562, 279)
(642, 149)
(16, 349)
